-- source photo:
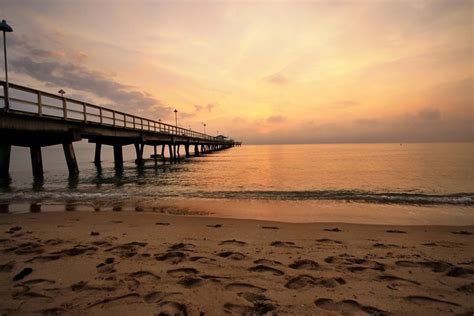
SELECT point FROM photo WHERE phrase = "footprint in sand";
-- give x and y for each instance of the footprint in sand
(181, 246)
(347, 306)
(232, 255)
(329, 241)
(435, 266)
(107, 266)
(394, 231)
(258, 308)
(461, 232)
(172, 308)
(233, 242)
(182, 271)
(393, 278)
(240, 287)
(305, 264)
(215, 226)
(287, 244)
(305, 280)
(385, 246)
(51, 311)
(135, 279)
(265, 269)
(85, 286)
(7, 267)
(127, 250)
(270, 227)
(130, 297)
(76, 251)
(457, 272)
(189, 281)
(155, 297)
(467, 288)
(268, 262)
(162, 224)
(425, 300)
(26, 248)
(173, 257)
(355, 264)
(336, 230)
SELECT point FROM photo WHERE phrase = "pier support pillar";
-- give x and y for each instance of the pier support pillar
(70, 159)
(177, 151)
(118, 157)
(196, 150)
(155, 153)
(139, 152)
(5, 151)
(36, 162)
(170, 149)
(98, 148)
(186, 149)
(163, 152)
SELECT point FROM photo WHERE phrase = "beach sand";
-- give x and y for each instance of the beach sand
(147, 264)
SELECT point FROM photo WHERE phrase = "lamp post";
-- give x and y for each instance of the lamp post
(62, 92)
(176, 117)
(6, 29)
(204, 124)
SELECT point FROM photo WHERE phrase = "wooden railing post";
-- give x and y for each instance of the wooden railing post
(64, 108)
(113, 118)
(6, 98)
(40, 106)
(84, 109)
(100, 115)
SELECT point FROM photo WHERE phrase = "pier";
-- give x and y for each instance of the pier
(35, 119)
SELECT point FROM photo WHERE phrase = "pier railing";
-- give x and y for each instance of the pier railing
(44, 104)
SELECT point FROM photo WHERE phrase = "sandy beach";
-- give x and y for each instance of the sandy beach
(148, 264)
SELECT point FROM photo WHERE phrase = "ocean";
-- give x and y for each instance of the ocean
(416, 184)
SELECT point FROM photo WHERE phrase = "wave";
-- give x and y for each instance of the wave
(460, 199)
(455, 199)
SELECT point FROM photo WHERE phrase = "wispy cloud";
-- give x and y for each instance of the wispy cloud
(275, 119)
(277, 79)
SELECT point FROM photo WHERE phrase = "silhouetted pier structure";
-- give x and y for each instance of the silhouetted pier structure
(35, 119)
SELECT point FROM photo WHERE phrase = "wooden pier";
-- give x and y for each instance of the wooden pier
(35, 119)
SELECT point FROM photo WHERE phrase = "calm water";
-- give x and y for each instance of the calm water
(381, 183)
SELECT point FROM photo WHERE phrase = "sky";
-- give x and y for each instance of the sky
(259, 71)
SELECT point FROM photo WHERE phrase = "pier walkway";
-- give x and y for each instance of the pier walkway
(35, 119)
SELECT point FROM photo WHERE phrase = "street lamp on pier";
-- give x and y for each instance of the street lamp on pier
(62, 92)
(5, 28)
(176, 117)
(204, 125)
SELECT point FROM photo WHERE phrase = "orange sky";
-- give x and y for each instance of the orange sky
(260, 71)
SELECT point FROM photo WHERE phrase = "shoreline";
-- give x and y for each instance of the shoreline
(278, 211)
(119, 262)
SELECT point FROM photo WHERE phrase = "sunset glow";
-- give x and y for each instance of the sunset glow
(261, 72)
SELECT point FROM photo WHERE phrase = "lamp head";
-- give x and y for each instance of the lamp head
(4, 27)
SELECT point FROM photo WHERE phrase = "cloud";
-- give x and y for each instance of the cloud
(80, 78)
(429, 114)
(209, 107)
(63, 70)
(277, 79)
(275, 119)
(342, 104)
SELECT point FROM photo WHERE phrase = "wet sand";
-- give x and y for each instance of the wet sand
(146, 263)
